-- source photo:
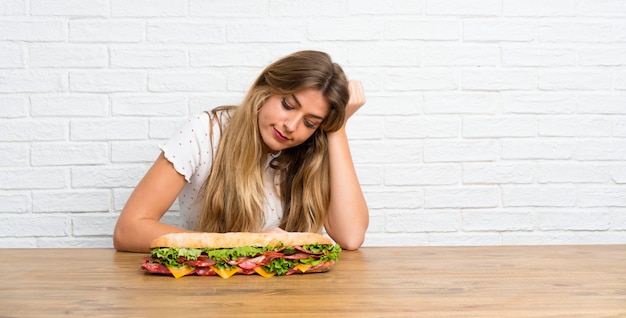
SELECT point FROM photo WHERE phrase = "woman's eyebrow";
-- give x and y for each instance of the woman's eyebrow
(296, 99)
(300, 105)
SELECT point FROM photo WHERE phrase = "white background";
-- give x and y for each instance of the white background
(488, 122)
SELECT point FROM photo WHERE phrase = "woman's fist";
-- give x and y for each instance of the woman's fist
(357, 97)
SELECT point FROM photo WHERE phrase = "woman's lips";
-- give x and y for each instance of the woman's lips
(280, 136)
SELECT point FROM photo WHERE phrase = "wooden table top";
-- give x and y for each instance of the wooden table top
(503, 281)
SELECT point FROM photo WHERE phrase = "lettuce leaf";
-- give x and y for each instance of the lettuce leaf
(172, 256)
(280, 266)
(333, 250)
(237, 252)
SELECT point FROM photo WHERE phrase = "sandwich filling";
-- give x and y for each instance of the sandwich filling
(266, 261)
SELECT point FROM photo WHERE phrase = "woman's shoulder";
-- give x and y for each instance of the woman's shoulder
(203, 121)
(198, 119)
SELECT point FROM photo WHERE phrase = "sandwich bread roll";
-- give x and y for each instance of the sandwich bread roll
(244, 253)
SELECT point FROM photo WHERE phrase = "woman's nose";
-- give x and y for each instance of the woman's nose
(291, 123)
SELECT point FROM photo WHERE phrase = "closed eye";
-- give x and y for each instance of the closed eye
(307, 123)
(286, 105)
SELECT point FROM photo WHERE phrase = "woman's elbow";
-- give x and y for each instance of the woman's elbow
(349, 239)
(352, 242)
(120, 238)
(118, 241)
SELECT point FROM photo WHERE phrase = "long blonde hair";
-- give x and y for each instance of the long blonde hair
(233, 194)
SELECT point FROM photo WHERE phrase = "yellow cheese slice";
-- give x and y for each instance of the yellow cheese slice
(303, 267)
(261, 271)
(179, 272)
(225, 273)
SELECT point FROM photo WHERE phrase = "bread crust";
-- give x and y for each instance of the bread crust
(237, 239)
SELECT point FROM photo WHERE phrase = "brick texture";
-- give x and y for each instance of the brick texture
(488, 121)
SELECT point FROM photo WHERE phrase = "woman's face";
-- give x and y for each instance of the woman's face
(288, 121)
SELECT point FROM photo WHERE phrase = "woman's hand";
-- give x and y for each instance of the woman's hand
(357, 97)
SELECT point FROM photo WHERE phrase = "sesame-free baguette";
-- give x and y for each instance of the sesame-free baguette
(237, 239)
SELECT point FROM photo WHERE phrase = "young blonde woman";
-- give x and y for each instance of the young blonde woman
(280, 161)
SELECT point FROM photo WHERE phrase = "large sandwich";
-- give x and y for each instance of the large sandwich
(227, 254)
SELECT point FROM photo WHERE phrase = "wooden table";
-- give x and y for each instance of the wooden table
(519, 281)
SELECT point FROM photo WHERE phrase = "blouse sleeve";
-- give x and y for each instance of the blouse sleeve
(189, 149)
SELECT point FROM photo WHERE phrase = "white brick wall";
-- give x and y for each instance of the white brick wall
(488, 121)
